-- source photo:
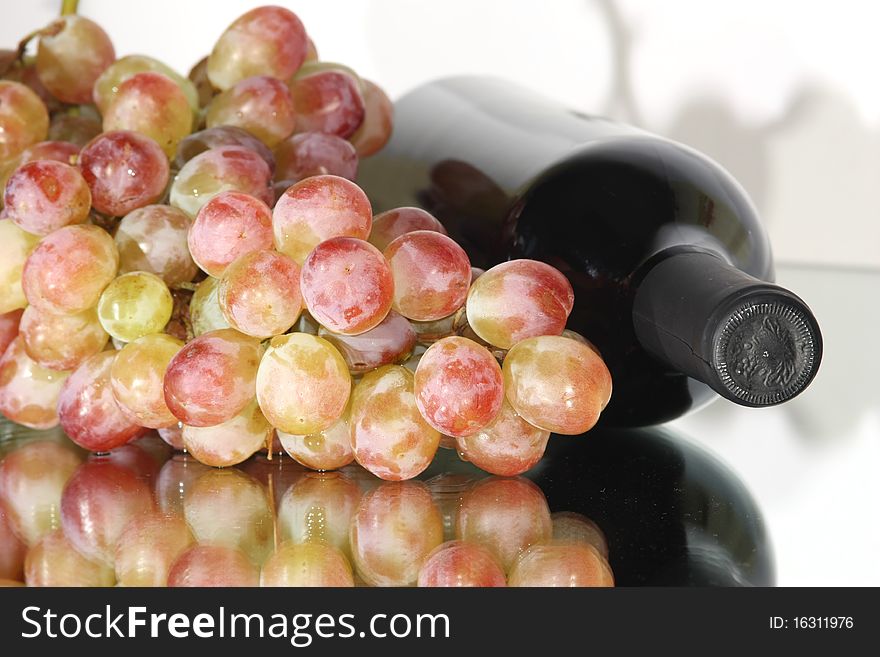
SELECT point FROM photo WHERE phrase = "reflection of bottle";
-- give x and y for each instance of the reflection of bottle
(668, 260)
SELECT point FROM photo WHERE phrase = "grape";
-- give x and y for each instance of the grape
(574, 528)
(213, 565)
(23, 119)
(212, 379)
(219, 170)
(519, 299)
(318, 509)
(58, 151)
(303, 384)
(148, 547)
(327, 99)
(136, 377)
(204, 308)
(507, 447)
(9, 327)
(78, 129)
(574, 335)
(458, 386)
(153, 239)
(54, 561)
(88, 410)
(391, 341)
(198, 75)
(459, 564)
(72, 53)
(347, 285)
(261, 105)
(217, 137)
(307, 565)
(12, 550)
(375, 130)
(229, 442)
(561, 565)
(229, 508)
(15, 246)
(316, 209)
(134, 305)
(389, 436)
(314, 154)
(173, 436)
(264, 41)
(99, 500)
(259, 293)
(61, 342)
(394, 530)
(432, 275)
(108, 84)
(556, 383)
(125, 170)
(391, 224)
(153, 105)
(45, 195)
(504, 515)
(28, 391)
(69, 269)
(430, 332)
(325, 450)
(31, 480)
(175, 480)
(228, 226)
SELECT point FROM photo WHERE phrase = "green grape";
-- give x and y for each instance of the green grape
(134, 305)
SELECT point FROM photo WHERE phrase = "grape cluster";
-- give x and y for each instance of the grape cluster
(192, 255)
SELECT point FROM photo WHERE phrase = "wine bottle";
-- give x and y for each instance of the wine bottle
(671, 268)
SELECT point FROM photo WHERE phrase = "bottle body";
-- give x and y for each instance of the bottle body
(512, 176)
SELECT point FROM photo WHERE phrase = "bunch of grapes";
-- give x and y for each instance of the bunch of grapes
(192, 255)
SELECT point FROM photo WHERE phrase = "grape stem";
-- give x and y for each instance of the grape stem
(68, 7)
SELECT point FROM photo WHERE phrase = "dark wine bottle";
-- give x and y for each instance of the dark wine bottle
(671, 268)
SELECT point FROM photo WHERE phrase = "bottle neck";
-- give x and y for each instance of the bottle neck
(753, 342)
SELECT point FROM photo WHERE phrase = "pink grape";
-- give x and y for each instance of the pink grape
(325, 450)
(72, 53)
(307, 565)
(15, 247)
(218, 136)
(570, 527)
(314, 154)
(153, 105)
(154, 239)
(137, 375)
(148, 547)
(389, 436)
(508, 446)
(54, 561)
(23, 119)
(229, 225)
(347, 285)
(557, 383)
(458, 386)
(303, 384)
(226, 168)
(88, 410)
(566, 565)
(108, 84)
(125, 170)
(61, 342)
(391, 224)
(432, 275)
(316, 209)
(460, 564)
(264, 41)
(375, 130)
(45, 195)
(391, 341)
(9, 327)
(204, 308)
(212, 379)
(519, 299)
(213, 565)
(229, 442)
(28, 391)
(262, 105)
(327, 100)
(504, 515)
(394, 530)
(69, 269)
(259, 293)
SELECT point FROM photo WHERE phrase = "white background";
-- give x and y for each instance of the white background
(785, 94)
